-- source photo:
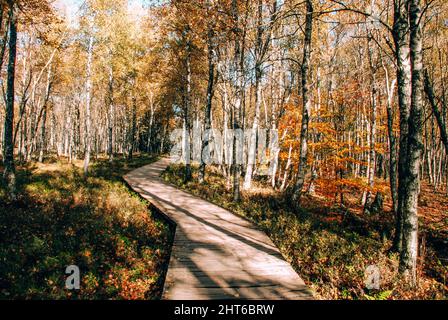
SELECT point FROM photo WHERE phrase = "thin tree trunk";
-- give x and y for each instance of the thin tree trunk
(390, 88)
(237, 110)
(252, 156)
(432, 100)
(372, 152)
(288, 165)
(42, 144)
(303, 157)
(4, 27)
(9, 172)
(187, 146)
(205, 148)
(149, 142)
(132, 132)
(88, 137)
(110, 115)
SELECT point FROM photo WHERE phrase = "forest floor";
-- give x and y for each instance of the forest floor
(331, 247)
(121, 247)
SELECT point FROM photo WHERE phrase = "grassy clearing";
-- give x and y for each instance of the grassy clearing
(61, 219)
(329, 248)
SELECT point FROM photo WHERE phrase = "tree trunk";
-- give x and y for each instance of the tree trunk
(408, 257)
(43, 141)
(149, 142)
(288, 165)
(303, 157)
(132, 131)
(252, 156)
(88, 137)
(390, 88)
(372, 152)
(8, 153)
(110, 115)
(205, 148)
(401, 39)
(187, 146)
(237, 110)
(4, 28)
(432, 100)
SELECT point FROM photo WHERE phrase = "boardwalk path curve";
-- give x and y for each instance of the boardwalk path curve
(216, 254)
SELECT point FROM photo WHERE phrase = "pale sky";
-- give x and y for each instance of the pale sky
(70, 8)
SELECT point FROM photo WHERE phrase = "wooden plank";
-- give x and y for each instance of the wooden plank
(215, 254)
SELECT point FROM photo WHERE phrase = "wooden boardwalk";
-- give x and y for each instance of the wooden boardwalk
(216, 254)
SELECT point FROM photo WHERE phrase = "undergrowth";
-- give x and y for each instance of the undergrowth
(97, 223)
(327, 248)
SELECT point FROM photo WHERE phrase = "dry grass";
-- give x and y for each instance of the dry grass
(96, 223)
(326, 245)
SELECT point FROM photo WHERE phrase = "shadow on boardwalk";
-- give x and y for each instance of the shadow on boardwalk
(216, 255)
